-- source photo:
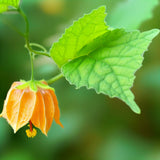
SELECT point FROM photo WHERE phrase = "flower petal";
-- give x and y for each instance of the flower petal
(20, 107)
(49, 108)
(43, 113)
(38, 117)
(3, 114)
(57, 111)
(12, 100)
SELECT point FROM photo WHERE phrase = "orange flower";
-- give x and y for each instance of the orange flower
(33, 102)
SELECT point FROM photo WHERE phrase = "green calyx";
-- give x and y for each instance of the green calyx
(34, 85)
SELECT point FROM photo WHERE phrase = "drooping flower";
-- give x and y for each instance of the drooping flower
(32, 102)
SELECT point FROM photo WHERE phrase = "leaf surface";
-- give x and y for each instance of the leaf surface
(109, 64)
(78, 35)
(92, 55)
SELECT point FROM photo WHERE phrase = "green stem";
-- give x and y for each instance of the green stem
(39, 52)
(27, 26)
(30, 50)
(27, 37)
(52, 80)
(32, 66)
(38, 46)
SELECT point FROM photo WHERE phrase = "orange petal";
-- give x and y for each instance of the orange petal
(38, 117)
(57, 111)
(12, 100)
(44, 111)
(15, 84)
(49, 108)
(9, 96)
(20, 107)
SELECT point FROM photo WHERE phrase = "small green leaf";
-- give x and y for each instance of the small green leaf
(78, 35)
(4, 4)
(109, 64)
(33, 86)
(23, 86)
(44, 86)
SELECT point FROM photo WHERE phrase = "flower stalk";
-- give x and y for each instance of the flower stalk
(28, 44)
(52, 80)
(31, 51)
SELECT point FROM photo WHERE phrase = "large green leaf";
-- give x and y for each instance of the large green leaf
(78, 35)
(109, 64)
(4, 4)
(130, 14)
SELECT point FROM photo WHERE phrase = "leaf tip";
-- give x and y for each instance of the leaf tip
(134, 107)
(137, 111)
(102, 9)
(153, 33)
(156, 31)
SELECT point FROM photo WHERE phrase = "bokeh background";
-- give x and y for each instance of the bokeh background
(95, 126)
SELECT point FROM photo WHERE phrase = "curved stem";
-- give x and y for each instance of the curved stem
(38, 46)
(30, 50)
(27, 37)
(52, 80)
(39, 52)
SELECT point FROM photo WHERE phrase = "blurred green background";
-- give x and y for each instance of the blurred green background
(95, 126)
